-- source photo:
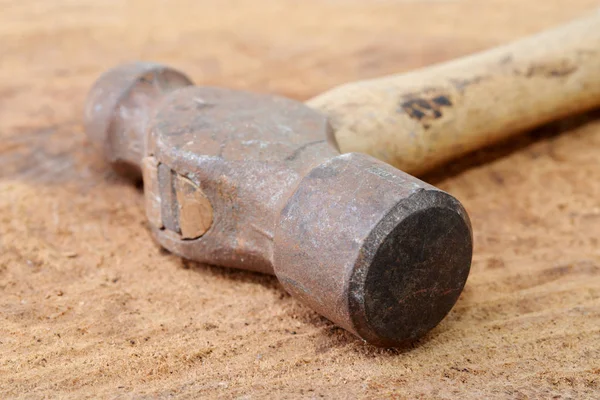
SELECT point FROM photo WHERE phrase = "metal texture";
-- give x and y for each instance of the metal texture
(251, 181)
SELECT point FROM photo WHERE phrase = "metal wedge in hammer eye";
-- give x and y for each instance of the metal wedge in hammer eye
(252, 181)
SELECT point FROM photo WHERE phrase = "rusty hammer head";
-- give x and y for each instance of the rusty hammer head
(253, 181)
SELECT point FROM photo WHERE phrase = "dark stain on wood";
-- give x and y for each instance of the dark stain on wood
(425, 106)
(552, 69)
(586, 52)
(442, 101)
(506, 60)
(462, 84)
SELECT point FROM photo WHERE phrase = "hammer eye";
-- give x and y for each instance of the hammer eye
(174, 202)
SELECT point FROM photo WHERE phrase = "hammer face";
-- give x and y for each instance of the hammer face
(373, 249)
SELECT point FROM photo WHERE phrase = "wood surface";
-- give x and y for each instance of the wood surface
(91, 307)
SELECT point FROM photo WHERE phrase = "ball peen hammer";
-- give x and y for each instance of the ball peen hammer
(254, 181)
(250, 181)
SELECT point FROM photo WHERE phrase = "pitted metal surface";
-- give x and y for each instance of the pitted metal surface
(247, 152)
(252, 181)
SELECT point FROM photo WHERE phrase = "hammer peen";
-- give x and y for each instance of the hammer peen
(256, 182)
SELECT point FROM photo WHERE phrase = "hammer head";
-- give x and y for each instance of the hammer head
(250, 181)
(387, 255)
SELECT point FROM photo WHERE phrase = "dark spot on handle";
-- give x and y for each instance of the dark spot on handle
(426, 106)
(549, 69)
(462, 84)
(422, 103)
(506, 60)
(413, 111)
(442, 101)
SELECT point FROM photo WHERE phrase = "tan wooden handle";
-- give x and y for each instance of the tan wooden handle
(418, 120)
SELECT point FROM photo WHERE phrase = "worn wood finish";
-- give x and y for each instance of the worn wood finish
(419, 120)
(90, 306)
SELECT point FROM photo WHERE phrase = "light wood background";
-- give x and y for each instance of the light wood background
(91, 307)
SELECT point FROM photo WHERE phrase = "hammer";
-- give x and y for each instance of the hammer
(252, 181)
(256, 181)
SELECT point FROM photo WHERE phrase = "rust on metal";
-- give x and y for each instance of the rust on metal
(252, 181)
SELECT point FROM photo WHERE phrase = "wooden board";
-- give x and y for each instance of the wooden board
(91, 307)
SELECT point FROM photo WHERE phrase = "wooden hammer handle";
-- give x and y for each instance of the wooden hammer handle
(418, 120)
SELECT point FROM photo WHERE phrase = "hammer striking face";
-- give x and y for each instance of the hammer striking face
(254, 181)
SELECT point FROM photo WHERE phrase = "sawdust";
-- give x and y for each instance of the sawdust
(91, 307)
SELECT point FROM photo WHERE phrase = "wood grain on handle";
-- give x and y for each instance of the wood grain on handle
(418, 120)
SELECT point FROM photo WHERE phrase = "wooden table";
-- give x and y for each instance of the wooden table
(91, 307)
